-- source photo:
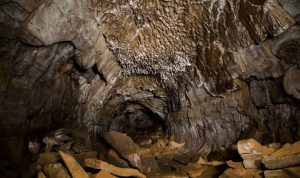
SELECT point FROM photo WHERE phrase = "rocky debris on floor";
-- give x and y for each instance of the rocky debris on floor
(263, 161)
(66, 154)
(123, 172)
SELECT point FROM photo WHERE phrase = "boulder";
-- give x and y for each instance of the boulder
(125, 146)
(252, 153)
(74, 168)
(291, 82)
(258, 91)
(123, 172)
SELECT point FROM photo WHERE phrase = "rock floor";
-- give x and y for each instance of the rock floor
(74, 153)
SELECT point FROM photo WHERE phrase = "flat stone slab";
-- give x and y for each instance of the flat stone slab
(273, 162)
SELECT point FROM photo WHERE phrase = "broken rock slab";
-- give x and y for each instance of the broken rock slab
(74, 168)
(125, 146)
(291, 172)
(115, 159)
(123, 172)
(273, 162)
(288, 149)
(104, 174)
(287, 156)
(252, 153)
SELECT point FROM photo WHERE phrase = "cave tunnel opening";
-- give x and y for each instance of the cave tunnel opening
(139, 122)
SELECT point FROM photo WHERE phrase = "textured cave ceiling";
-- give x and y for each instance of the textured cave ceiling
(209, 71)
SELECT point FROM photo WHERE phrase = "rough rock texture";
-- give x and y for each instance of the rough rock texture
(252, 153)
(204, 72)
(74, 168)
(125, 146)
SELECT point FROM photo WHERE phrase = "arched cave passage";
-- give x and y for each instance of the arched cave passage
(139, 122)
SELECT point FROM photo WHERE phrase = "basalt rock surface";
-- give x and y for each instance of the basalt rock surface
(205, 73)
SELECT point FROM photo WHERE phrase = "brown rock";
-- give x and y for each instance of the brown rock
(211, 171)
(195, 170)
(79, 147)
(273, 162)
(55, 171)
(242, 173)
(115, 159)
(85, 155)
(104, 174)
(210, 163)
(124, 172)
(125, 146)
(41, 175)
(252, 153)
(235, 165)
(287, 149)
(75, 169)
(150, 162)
(283, 173)
(48, 158)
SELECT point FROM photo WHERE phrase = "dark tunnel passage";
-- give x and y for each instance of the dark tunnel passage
(139, 122)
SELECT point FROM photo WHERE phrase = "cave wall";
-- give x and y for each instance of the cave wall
(210, 72)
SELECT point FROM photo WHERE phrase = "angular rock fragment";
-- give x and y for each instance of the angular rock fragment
(41, 175)
(104, 174)
(115, 159)
(276, 19)
(125, 146)
(287, 149)
(252, 153)
(287, 156)
(124, 172)
(75, 169)
(272, 162)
